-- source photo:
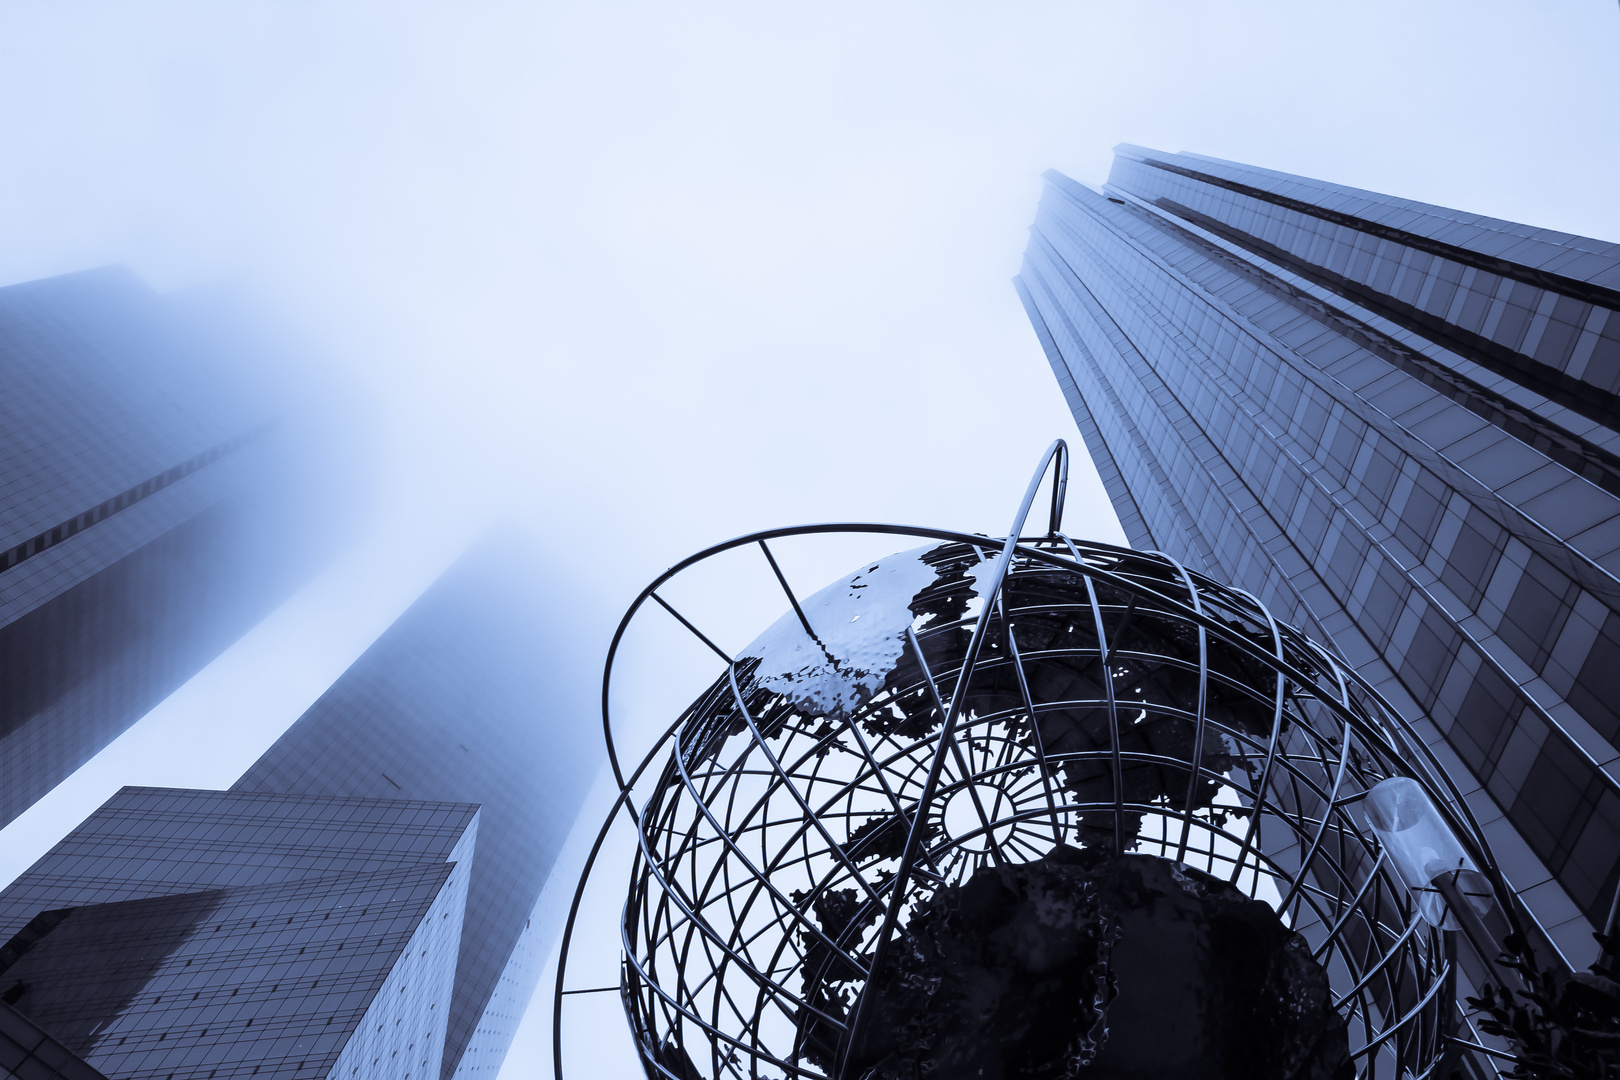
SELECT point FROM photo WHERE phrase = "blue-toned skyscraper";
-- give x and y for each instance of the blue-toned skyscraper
(152, 509)
(1399, 426)
(472, 696)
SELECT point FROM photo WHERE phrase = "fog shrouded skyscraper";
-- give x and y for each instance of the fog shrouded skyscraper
(469, 697)
(364, 903)
(1399, 426)
(147, 497)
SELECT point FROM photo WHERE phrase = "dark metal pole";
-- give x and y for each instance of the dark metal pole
(1474, 930)
(1446, 1028)
(1609, 959)
(919, 822)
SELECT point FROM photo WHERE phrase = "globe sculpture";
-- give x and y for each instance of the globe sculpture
(1031, 807)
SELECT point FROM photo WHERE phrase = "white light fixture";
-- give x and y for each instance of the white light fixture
(1424, 851)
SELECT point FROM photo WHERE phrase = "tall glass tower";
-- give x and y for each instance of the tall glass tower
(466, 699)
(1397, 425)
(146, 503)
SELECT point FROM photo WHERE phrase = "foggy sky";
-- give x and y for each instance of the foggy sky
(645, 275)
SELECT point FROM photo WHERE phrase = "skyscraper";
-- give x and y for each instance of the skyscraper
(467, 698)
(1399, 426)
(146, 503)
(209, 934)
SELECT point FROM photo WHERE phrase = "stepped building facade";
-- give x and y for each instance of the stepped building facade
(209, 934)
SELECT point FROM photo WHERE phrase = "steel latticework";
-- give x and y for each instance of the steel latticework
(1005, 697)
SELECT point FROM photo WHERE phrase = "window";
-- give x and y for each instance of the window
(1384, 267)
(1314, 423)
(1593, 869)
(1537, 611)
(1382, 606)
(1361, 264)
(1557, 798)
(1603, 368)
(1346, 442)
(1417, 271)
(1596, 693)
(1311, 521)
(1428, 658)
(1489, 712)
(1473, 557)
(1478, 302)
(1420, 516)
(1446, 277)
(1558, 339)
(1516, 316)
(1376, 480)
(1349, 555)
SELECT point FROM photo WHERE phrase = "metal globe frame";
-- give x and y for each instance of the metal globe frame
(1092, 695)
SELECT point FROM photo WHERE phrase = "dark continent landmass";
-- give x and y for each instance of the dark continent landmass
(1109, 968)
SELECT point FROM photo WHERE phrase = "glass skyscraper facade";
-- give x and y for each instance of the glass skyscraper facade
(1397, 425)
(146, 504)
(200, 935)
(467, 698)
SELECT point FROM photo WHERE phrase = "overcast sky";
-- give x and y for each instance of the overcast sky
(646, 275)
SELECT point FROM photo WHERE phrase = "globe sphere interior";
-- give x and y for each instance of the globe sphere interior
(1117, 704)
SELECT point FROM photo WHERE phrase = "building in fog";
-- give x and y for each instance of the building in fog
(471, 696)
(147, 501)
(366, 900)
(1399, 426)
(209, 934)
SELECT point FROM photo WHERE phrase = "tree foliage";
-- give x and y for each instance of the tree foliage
(1561, 1026)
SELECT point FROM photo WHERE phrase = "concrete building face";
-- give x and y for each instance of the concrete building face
(459, 700)
(141, 499)
(1399, 426)
(206, 934)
